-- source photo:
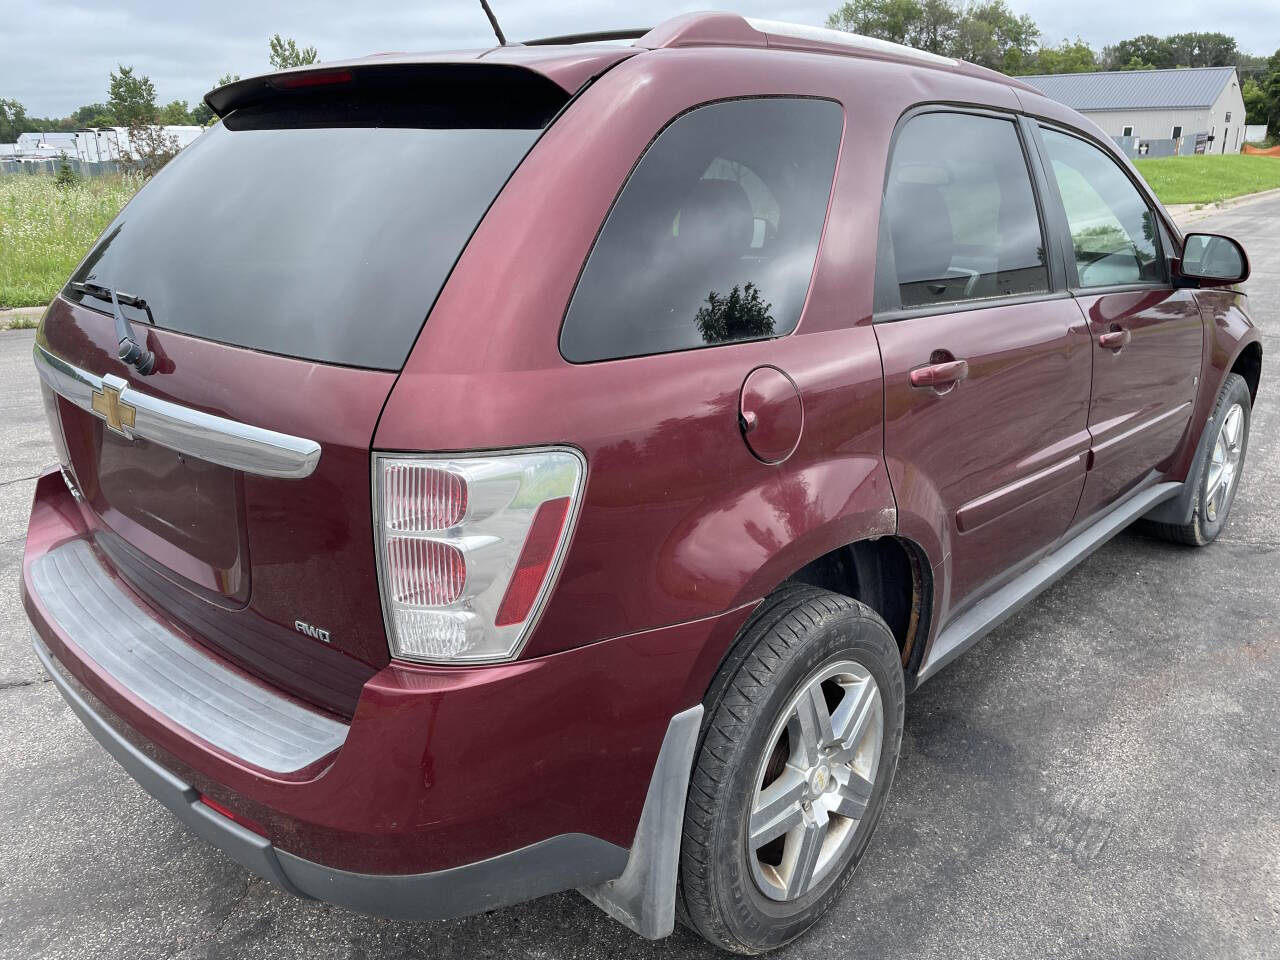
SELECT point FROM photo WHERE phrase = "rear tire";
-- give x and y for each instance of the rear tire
(1222, 461)
(796, 757)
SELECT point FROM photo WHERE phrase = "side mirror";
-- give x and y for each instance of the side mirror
(1211, 260)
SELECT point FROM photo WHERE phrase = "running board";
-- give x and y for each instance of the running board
(975, 623)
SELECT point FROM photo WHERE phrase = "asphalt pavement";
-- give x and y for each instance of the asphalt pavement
(1098, 778)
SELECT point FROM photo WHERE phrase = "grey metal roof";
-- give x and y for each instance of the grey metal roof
(1136, 89)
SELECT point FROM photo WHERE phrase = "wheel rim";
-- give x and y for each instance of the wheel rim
(815, 780)
(1224, 463)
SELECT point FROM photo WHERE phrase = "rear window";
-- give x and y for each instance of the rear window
(312, 229)
(714, 237)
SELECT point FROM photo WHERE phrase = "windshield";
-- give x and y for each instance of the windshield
(328, 243)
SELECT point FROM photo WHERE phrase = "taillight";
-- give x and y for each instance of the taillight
(468, 548)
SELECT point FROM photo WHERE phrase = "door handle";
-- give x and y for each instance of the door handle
(940, 374)
(1114, 339)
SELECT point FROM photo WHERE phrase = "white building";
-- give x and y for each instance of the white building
(93, 144)
(1156, 104)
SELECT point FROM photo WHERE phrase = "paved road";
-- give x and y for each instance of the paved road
(1100, 778)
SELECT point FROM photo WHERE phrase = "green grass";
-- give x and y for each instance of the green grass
(46, 229)
(1208, 179)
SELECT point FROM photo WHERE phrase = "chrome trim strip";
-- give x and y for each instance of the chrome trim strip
(219, 440)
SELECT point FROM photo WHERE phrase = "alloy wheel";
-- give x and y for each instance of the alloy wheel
(1224, 463)
(815, 780)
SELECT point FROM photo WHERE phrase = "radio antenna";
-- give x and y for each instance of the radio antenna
(493, 22)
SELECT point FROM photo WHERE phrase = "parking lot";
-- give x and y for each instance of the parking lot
(1099, 778)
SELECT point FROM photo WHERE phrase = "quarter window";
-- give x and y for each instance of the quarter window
(1113, 232)
(961, 213)
(713, 238)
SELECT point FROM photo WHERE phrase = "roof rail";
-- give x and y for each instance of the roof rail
(629, 33)
(732, 30)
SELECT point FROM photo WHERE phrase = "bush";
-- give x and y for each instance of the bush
(66, 176)
(45, 230)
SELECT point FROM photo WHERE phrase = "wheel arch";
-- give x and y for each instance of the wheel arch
(1248, 364)
(891, 574)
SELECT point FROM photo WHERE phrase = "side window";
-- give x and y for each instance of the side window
(714, 236)
(961, 213)
(1113, 232)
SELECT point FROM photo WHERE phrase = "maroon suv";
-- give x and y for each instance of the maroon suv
(494, 473)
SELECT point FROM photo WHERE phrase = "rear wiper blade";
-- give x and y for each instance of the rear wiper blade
(130, 351)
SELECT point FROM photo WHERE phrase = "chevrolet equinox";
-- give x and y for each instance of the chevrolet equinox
(496, 473)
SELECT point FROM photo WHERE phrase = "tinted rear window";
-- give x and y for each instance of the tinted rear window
(714, 236)
(322, 233)
(961, 213)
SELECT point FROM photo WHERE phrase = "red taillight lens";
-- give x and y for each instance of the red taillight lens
(311, 78)
(531, 569)
(424, 573)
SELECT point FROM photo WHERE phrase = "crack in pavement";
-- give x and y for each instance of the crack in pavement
(5, 483)
(16, 684)
(204, 938)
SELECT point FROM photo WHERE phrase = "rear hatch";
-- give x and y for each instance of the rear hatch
(287, 259)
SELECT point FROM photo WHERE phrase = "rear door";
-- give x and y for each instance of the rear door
(986, 360)
(1147, 336)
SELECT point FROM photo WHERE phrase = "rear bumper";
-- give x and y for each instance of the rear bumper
(451, 790)
(558, 863)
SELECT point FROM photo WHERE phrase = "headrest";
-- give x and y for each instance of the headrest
(923, 238)
(716, 216)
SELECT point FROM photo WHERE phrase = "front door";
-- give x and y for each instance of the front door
(1147, 336)
(986, 358)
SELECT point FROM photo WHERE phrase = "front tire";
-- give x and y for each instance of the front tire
(1223, 460)
(797, 754)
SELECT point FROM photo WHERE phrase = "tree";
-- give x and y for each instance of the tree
(90, 114)
(1146, 49)
(132, 99)
(285, 53)
(150, 148)
(1177, 50)
(1255, 101)
(991, 35)
(175, 113)
(1136, 63)
(66, 176)
(924, 24)
(1067, 57)
(1272, 91)
(742, 315)
(13, 120)
(985, 32)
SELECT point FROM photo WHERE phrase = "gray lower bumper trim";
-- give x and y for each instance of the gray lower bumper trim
(550, 866)
(245, 847)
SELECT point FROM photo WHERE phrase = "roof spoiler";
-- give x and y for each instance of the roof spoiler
(395, 77)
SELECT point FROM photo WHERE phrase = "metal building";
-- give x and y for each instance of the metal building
(1157, 105)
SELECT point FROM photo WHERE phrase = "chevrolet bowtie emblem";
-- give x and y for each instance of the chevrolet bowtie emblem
(108, 405)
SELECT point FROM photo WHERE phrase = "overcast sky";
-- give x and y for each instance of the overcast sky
(55, 56)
